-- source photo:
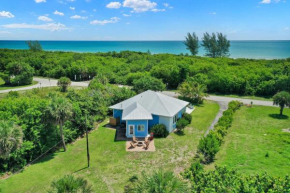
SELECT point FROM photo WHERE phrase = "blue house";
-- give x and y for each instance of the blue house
(144, 110)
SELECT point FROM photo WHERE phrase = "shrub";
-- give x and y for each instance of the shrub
(209, 146)
(159, 130)
(63, 83)
(148, 83)
(70, 183)
(187, 117)
(181, 124)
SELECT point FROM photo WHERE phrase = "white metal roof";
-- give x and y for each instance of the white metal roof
(154, 103)
(136, 112)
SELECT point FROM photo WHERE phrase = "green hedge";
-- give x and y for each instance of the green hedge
(209, 145)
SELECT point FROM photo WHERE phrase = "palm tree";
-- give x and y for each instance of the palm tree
(160, 182)
(69, 184)
(282, 99)
(10, 138)
(193, 91)
(60, 109)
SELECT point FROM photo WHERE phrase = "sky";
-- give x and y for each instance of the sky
(143, 19)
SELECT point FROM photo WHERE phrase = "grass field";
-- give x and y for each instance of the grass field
(111, 165)
(5, 87)
(256, 144)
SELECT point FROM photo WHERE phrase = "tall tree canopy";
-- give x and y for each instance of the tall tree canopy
(216, 45)
(282, 99)
(148, 83)
(60, 109)
(10, 138)
(34, 46)
(191, 42)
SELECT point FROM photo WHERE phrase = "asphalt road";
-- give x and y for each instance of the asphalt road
(222, 101)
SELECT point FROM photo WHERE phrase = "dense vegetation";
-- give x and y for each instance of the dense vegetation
(209, 145)
(40, 114)
(220, 75)
(225, 180)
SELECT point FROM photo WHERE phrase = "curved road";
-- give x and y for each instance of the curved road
(222, 101)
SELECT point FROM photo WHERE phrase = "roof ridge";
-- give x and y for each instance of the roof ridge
(162, 102)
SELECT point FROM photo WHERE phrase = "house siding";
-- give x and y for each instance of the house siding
(118, 114)
(136, 132)
(154, 121)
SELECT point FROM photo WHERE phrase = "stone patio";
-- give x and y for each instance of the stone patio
(141, 148)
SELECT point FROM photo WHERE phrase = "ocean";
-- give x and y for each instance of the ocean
(239, 49)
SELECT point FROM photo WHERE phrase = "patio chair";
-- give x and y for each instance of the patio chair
(135, 140)
(133, 145)
(146, 145)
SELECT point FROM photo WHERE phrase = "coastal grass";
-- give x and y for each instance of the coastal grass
(7, 87)
(111, 166)
(257, 142)
(262, 98)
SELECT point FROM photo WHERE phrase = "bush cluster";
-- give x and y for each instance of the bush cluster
(225, 180)
(159, 130)
(209, 145)
(219, 75)
(183, 122)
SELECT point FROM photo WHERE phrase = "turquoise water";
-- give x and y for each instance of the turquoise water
(239, 49)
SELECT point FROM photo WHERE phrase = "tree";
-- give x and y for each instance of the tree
(63, 83)
(34, 46)
(158, 182)
(193, 91)
(216, 45)
(60, 109)
(282, 99)
(19, 73)
(10, 138)
(70, 184)
(192, 44)
(148, 83)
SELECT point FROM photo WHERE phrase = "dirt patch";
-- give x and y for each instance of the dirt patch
(286, 130)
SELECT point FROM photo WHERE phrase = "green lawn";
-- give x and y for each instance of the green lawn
(5, 87)
(262, 98)
(111, 165)
(255, 133)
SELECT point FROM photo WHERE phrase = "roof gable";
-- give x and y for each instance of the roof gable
(154, 103)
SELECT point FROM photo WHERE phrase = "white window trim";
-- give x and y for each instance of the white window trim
(133, 130)
(138, 128)
(175, 117)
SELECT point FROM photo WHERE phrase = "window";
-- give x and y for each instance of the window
(141, 127)
(131, 129)
(175, 118)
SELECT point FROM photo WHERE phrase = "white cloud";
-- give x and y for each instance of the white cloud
(114, 5)
(83, 11)
(58, 13)
(6, 14)
(44, 18)
(270, 1)
(40, 1)
(212, 13)
(127, 15)
(265, 1)
(94, 10)
(5, 32)
(157, 10)
(88, 1)
(139, 5)
(103, 22)
(287, 28)
(166, 4)
(72, 8)
(48, 27)
(71, 0)
(78, 17)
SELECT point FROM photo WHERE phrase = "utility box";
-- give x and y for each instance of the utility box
(114, 121)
